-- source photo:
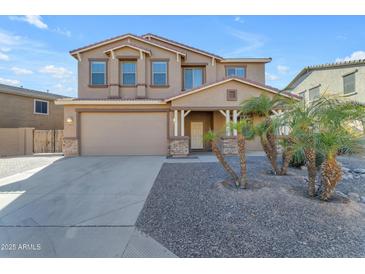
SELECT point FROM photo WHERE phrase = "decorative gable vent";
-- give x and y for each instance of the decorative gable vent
(231, 95)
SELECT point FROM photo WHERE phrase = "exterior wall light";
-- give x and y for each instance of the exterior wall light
(69, 120)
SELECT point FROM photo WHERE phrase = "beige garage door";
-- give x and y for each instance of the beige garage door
(142, 133)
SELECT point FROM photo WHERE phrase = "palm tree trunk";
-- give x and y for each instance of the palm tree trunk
(270, 153)
(242, 155)
(330, 176)
(310, 161)
(287, 156)
(224, 163)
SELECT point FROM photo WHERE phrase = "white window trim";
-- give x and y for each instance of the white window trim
(309, 91)
(153, 78)
(192, 68)
(122, 74)
(34, 107)
(91, 73)
(235, 71)
(343, 83)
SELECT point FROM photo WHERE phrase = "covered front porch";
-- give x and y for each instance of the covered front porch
(212, 107)
(191, 125)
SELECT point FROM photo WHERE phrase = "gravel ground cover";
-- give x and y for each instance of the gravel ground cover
(353, 182)
(193, 215)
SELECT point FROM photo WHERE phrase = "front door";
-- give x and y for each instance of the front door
(196, 129)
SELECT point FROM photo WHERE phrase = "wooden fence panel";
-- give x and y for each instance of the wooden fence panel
(47, 141)
(58, 140)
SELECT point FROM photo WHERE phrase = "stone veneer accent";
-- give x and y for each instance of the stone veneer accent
(70, 147)
(179, 146)
(229, 145)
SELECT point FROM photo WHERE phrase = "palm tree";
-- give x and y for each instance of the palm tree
(243, 130)
(335, 134)
(301, 119)
(212, 137)
(264, 107)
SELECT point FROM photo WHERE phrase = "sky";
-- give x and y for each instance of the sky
(34, 50)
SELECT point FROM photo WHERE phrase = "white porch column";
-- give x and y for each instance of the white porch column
(182, 123)
(235, 121)
(228, 119)
(175, 122)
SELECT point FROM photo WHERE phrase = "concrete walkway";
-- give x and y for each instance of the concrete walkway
(79, 207)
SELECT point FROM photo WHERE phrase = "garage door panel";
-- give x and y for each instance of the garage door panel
(124, 133)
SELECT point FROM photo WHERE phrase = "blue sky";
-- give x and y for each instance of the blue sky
(34, 49)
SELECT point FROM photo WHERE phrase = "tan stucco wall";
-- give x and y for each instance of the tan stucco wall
(16, 141)
(254, 71)
(217, 96)
(174, 74)
(331, 82)
(17, 111)
(214, 71)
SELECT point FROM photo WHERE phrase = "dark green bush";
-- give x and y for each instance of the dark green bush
(298, 159)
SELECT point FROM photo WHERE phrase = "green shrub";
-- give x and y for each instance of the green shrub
(298, 159)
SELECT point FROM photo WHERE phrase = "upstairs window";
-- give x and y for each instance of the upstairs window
(314, 93)
(98, 73)
(159, 73)
(128, 69)
(193, 78)
(236, 72)
(349, 83)
(40, 107)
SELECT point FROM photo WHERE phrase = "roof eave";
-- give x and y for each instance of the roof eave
(105, 42)
(227, 80)
(74, 101)
(246, 60)
(182, 46)
(300, 74)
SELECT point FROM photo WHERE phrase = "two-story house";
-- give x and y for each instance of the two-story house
(148, 95)
(343, 78)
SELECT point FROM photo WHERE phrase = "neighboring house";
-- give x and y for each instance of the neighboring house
(148, 95)
(343, 78)
(20, 107)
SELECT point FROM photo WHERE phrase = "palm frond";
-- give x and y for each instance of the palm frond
(210, 136)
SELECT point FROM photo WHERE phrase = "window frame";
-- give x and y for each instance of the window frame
(343, 83)
(166, 85)
(203, 69)
(309, 92)
(121, 73)
(232, 95)
(235, 67)
(105, 60)
(35, 109)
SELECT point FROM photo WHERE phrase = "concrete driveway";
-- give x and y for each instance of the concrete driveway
(76, 207)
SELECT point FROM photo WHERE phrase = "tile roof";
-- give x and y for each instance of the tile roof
(182, 45)
(325, 66)
(29, 92)
(109, 101)
(119, 37)
(247, 81)
(163, 39)
(129, 44)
